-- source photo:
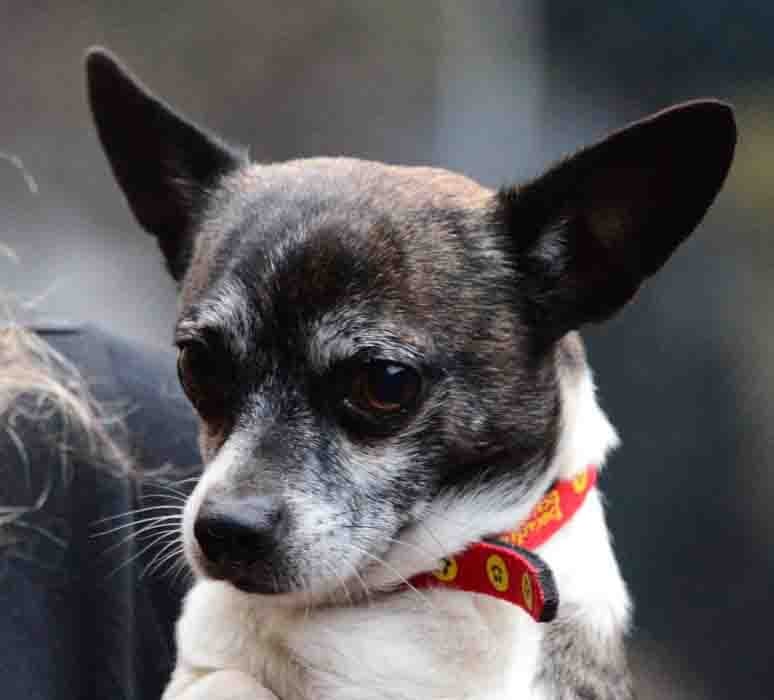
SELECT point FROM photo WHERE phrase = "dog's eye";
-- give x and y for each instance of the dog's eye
(202, 377)
(383, 388)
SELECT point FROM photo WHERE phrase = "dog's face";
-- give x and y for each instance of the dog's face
(354, 349)
(366, 344)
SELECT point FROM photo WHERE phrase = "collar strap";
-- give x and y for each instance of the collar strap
(504, 567)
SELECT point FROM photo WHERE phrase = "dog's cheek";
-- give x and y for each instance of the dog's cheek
(363, 500)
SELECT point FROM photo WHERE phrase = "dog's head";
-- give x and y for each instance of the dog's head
(369, 346)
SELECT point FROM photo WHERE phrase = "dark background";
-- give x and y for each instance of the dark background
(496, 90)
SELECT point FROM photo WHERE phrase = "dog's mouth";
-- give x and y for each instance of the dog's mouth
(342, 574)
(247, 583)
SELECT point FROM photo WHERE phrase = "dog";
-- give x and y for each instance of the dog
(387, 368)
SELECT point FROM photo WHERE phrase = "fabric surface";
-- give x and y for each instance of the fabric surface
(84, 617)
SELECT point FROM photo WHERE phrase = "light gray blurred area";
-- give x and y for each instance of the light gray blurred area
(381, 82)
(497, 90)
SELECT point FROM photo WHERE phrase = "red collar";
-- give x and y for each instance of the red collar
(504, 567)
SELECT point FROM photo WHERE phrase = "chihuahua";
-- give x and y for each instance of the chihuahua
(387, 368)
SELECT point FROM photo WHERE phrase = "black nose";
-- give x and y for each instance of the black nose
(239, 533)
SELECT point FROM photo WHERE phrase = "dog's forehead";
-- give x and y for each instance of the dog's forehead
(350, 181)
(281, 204)
(310, 236)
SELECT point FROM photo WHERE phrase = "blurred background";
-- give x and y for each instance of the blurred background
(496, 90)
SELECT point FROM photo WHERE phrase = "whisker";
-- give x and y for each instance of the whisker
(188, 480)
(168, 530)
(137, 511)
(181, 571)
(168, 496)
(435, 539)
(135, 556)
(342, 584)
(176, 559)
(153, 519)
(397, 573)
(169, 551)
(307, 597)
(442, 551)
(422, 550)
(166, 487)
(363, 584)
(166, 546)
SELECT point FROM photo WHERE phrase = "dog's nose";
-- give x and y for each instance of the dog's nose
(240, 532)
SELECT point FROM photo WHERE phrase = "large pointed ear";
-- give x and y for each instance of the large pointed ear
(165, 165)
(587, 233)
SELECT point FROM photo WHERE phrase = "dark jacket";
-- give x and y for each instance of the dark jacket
(88, 616)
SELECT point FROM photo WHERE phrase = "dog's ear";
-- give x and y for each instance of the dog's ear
(587, 233)
(165, 165)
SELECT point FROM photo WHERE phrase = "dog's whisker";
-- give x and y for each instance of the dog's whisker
(164, 484)
(169, 548)
(166, 531)
(363, 584)
(306, 590)
(151, 525)
(159, 555)
(187, 480)
(137, 511)
(169, 551)
(170, 491)
(342, 584)
(154, 519)
(177, 565)
(134, 557)
(422, 550)
(181, 571)
(442, 551)
(419, 595)
(441, 547)
(174, 498)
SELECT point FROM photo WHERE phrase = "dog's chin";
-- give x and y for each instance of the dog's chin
(285, 591)
(274, 586)
(258, 579)
(324, 592)
(283, 596)
(276, 590)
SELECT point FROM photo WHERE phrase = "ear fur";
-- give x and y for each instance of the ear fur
(587, 233)
(164, 164)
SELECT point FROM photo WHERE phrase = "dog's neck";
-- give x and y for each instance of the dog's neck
(583, 647)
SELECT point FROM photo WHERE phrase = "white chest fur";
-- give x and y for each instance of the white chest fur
(445, 644)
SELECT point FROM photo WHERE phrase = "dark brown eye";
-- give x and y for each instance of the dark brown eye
(385, 388)
(201, 376)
